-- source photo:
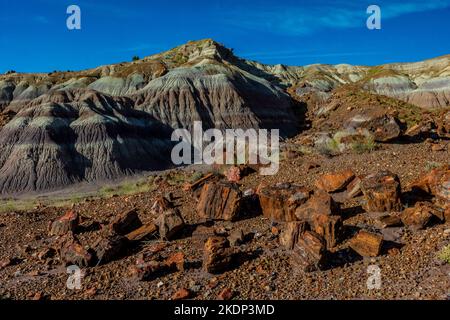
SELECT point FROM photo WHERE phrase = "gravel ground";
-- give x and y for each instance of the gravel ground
(412, 272)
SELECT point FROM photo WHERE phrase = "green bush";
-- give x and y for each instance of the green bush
(444, 254)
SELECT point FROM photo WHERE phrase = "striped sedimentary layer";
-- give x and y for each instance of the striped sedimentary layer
(48, 145)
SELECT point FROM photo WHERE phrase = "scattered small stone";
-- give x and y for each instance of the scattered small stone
(176, 261)
(236, 237)
(181, 294)
(225, 294)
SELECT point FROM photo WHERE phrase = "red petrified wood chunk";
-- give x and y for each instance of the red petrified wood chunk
(279, 202)
(219, 201)
(68, 222)
(381, 192)
(366, 244)
(333, 182)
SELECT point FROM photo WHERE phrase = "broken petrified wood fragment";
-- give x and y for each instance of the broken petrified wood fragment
(126, 222)
(291, 233)
(309, 252)
(218, 256)
(145, 271)
(110, 248)
(142, 232)
(333, 182)
(389, 221)
(73, 253)
(354, 187)
(381, 192)
(219, 201)
(176, 261)
(279, 202)
(160, 205)
(329, 227)
(419, 216)
(434, 182)
(366, 244)
(169, 223)
(68, 222)
(319, 203)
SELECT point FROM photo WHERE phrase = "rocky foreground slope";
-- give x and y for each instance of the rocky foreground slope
(65, 127)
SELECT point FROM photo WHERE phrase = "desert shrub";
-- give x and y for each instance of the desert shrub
(135, 58)
(368, 145)
(430, 165)
(330, 147)
(444, 254)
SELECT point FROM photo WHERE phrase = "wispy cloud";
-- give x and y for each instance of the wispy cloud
(306, 19)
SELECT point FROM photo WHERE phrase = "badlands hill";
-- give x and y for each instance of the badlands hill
(60, 128)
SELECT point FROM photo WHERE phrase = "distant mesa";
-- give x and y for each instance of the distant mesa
(62, 128)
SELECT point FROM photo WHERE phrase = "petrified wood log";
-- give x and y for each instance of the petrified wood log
(309, 252)
(332, 182)
(366, 244)
(279, 202)
(381, 192)
(68, 222)
(219, 201)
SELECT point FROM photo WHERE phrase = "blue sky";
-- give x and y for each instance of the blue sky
(34, 37)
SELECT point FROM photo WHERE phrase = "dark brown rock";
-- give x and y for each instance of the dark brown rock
(218, 255)
(366, 244)
(278, 203)
(68, 222)
(73, 253)
(388, 221)
(225, 294)
(146, 271)
(329, 227)
(176, 261)
(126, 223)
(169, 223)
(309, 252)
(181, 294)
(160, 205)
(236, 237)
(436, 183)
(381, 192)
(110, 248)
(419, 216)
(142, 232)
(219, 201)
(291, 233)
